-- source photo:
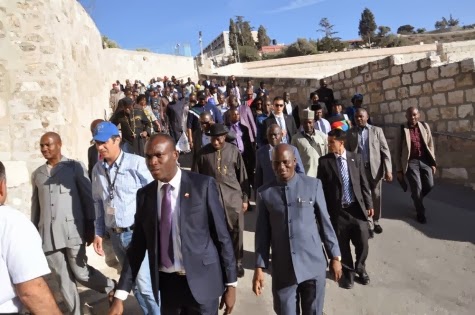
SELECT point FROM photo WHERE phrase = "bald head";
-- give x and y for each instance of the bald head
(283, 162)
(206, 115)
(50, 146)
(361, 117)
(54, 136)
(274, 135)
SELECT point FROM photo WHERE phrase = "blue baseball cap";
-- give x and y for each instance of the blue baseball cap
(104, 131)
(358, 97)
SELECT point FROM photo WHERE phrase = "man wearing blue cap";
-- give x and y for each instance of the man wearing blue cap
(115, 181)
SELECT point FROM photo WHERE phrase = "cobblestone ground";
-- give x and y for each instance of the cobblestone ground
(414, 269)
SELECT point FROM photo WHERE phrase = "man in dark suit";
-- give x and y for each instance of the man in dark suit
(264, 172)
(278, 117)
(174, 112)
(348, 198)
(294, 221)
(181, 222)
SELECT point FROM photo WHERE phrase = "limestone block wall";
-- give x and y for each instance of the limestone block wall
(445, 96)
(453, 52)
(55, 76)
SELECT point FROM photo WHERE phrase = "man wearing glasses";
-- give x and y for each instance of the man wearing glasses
(285, 122)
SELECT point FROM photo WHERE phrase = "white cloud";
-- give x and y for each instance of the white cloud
(295, 4)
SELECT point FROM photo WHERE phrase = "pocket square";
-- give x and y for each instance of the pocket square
(187, 195)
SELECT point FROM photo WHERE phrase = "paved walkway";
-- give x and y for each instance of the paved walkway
(414, 269)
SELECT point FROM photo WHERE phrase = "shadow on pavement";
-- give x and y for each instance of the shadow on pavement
(450, 211)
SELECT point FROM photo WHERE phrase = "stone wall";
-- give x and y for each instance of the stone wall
(457, 51)
(445, 96)
(55, 76)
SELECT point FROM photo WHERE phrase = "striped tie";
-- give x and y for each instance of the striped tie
(345, 177)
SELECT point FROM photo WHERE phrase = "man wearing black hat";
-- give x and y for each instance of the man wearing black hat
(222, 161)
(193, 122)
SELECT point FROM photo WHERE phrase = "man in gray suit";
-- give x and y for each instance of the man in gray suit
(63, 211)
(370, 142)
(264, 173)
(294, 221)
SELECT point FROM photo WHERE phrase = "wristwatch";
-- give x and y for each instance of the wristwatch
(338, 258)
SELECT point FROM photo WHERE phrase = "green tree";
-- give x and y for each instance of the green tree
(232, 35)
(405, 29)
(248, 53)
(301, 47)
(326, 28)
(262, 38)
(452, 22)
(367, 26)
(421, 30)
(143, 49)
(442, 24)
(109, 43)
(246, 34)
(383, 31)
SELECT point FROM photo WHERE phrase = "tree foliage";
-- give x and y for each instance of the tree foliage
(444, 23)
(246, 35)
(421, 30)
(109, 43)
(262, 38)
(367, 25)
(248, 53)
(301, 47)
(383, 31)
(406, 29)
(326, 28)
(232, 35)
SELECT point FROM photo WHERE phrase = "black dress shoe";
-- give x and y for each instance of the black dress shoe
(371, 233)
(240, 271)
(378, 229)
(363, 278)
(421, 219)
(347, 281)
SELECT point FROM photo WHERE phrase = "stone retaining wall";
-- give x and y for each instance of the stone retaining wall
(445, 96)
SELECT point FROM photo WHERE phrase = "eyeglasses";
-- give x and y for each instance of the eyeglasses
(279, 105)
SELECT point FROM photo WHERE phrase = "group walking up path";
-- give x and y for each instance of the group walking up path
(414, 268)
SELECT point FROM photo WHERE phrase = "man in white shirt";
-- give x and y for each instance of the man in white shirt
(22, 263)
(321, 124)
(288, 109)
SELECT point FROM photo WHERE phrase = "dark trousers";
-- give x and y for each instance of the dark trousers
(355, 230)
(236, 231)
(421, 181)
(176, 297)
(306, 298)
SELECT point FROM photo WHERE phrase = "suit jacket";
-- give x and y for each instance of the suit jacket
(289, 124)
(310, 154)
(61, 203)
(379, 153)
(264, 172)
(329, 174)
(403, 146)
(174, 113)
(247, 119)
(249, 155)
(206, 246)
(301, 212)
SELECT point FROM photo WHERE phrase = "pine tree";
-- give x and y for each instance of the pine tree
(232, 35)
(246, 34)
(262, 38)
(327, 28)
(367, 26)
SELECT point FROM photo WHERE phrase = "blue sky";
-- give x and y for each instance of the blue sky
(160, 25)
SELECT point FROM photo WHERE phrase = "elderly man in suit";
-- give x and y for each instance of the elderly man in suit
(348, 198)
(415, 158)
(285, 122)
(181, 222)
(264, 172)
(370, 142)
(293, 220)
(311, 143)
(62, 209)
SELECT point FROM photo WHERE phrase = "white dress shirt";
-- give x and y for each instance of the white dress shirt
(323, 125)
(281, 122)
(288, 107)
(175, 204)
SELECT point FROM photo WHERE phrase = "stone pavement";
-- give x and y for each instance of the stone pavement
(414, 269)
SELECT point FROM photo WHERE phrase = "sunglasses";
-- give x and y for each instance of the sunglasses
(279, 105)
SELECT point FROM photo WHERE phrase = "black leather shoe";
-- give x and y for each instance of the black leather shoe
(378, 229)
(363, 278)
(371, 233)
(347, 281)
(240, 271)
(421, 219)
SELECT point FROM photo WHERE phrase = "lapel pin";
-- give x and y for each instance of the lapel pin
(187, 195)
(352, 160)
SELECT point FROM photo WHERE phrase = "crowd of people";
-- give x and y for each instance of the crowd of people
(315, 171)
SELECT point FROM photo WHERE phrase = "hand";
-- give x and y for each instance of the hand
(191, 144)
(117, 307)
(245, 206)
(370, 213)
(144, 134)
(98, 245)
(228, 299)
(89, 232)
(336, 269)
(400, 176)
(388, 177)
(433, 170)
(258, 281)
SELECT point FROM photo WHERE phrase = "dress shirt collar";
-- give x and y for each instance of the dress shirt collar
(279, 115)
(175, 182)
(343, 155)
(116, 162)
(368, 127)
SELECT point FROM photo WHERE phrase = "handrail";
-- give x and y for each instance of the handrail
(434, 132)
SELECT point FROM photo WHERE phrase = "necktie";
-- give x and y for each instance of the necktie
(345, 177)
(322, 126)
(166, 242)
(239, 142)
(281, 125)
